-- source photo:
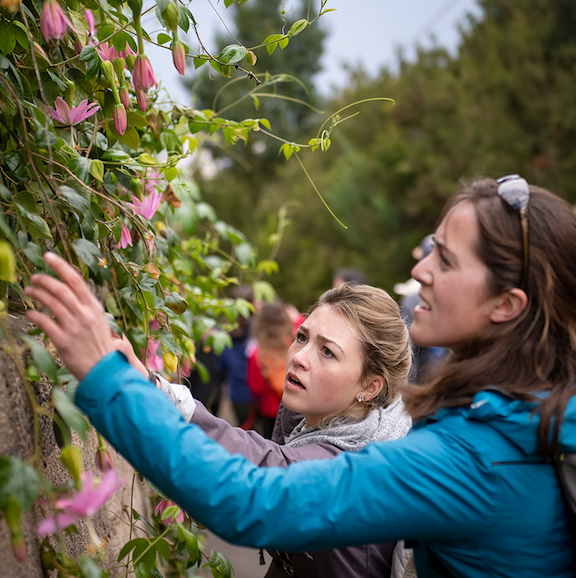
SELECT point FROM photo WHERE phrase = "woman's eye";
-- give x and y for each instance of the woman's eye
(327, 352)
(301, 338)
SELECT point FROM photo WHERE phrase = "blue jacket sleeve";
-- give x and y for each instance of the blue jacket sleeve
(421, 486)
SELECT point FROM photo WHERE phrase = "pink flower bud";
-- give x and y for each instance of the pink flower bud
(53, 22)
(124, 96)
(104, 461)
(179, 56)
(120, 118)
(18, 546)
(143, 74)
(141, 98)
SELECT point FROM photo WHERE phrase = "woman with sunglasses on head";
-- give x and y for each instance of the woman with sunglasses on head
(472, 485)
(343, 371)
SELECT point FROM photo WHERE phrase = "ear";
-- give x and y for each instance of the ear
(508, 305)
(372, 387)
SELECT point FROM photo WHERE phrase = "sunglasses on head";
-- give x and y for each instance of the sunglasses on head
(514, 190)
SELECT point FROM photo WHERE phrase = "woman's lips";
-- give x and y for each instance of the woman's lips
(293, 383)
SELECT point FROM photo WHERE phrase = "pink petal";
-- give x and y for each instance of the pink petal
(63, 110)
(90, 19)
(150, 205)
(54, 523)
(125, 237)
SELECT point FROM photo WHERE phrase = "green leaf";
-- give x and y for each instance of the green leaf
(232, 53)
(104, 32)
(130, 138)
(163, 38)
(86, 251)
(80, 166)
(297, 27)
(92, 60)
(18, 482)
(38, 226)
(129, 546)
(136, 119)
(74, 198)
(184, 535)
(34, 253)
(26, 202)
(144, 554)
(283, 43)
(70, 413)
(263, 290)
(42, 359)
(7, 38)
(97, 169)
(219, 341)
(163, 548)
(146, 159)
(116, 155)
(220, 565)
(88, 567)
(272, 42)
(120, 40)
(142, 571)
(198, 62)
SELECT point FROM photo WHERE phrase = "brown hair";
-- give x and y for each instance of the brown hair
(384, 339)
(537, 350)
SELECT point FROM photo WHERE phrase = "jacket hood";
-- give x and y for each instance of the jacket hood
(516, 420)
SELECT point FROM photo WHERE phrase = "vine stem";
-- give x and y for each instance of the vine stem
(318, 192)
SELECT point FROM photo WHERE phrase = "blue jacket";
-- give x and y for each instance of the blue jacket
(468, 484)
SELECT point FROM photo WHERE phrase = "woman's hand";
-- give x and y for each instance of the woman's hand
(79, 329)
(123, 344)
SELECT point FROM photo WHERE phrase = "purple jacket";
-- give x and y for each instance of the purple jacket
(370, 561)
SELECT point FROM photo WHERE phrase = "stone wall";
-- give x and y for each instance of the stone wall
(17, 439)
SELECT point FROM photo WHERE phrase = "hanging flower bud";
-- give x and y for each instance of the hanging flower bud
(70, 92)
(12, 515)
(120, 118)
(179, 56)
(124, 96)
(104, 461)
(141, 99)
(152, 270)
(7, 263)
(171, 16)
(136, 7)
(53, 21)
(137, 188)
(143, 74)
(170, 362)
(119, 65)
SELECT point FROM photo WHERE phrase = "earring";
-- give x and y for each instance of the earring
(359, 399)
(495, 303)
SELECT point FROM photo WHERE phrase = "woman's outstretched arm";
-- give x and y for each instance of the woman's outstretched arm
(410, 488)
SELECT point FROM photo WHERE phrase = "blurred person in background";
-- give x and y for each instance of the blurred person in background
(273, 333)
(348, 275)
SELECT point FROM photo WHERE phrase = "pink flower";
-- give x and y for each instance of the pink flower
(53, 22)
(120, 118)
(90, 19)
(153, 360)
(162, 505)
(179, 57)
(148, 207)
(125, 237)
(107, 52)
(143, 74)
(152, 181)
(70, 117)
(85, 503)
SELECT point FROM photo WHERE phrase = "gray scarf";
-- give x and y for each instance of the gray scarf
(381, 424)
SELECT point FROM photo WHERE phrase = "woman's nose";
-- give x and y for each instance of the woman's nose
(422, 272)
(300, 356)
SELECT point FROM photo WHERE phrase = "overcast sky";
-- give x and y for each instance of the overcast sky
(366, 32)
